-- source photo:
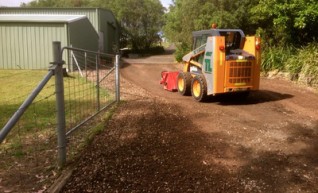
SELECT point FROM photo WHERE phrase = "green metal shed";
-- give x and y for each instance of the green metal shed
(26, 40)
(103, 21)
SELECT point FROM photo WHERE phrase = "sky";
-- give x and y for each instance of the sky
(16, 3)
(12, 3)
(165, 3)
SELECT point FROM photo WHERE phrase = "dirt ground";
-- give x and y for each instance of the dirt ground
(159, 141)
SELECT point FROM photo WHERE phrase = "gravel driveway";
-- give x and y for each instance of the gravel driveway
(158, 141)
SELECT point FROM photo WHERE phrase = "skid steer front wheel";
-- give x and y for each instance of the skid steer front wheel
(184, 83)
(199, 88)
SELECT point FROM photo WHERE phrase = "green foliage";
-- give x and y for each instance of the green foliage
(305, 61)
(156, 50)
(286, 26)
(141, 20)
(182, 49)
(186, 16)
(287, 21)
(294, 64)
(297, 61)
(57, 3)
(274, 58)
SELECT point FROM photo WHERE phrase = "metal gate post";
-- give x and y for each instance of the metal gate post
(117, 78)
(97, 81)
(60, 106)
(85, 61)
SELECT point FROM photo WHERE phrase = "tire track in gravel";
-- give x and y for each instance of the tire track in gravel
(158, 141)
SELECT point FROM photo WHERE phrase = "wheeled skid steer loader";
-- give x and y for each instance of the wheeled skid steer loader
(222, 61)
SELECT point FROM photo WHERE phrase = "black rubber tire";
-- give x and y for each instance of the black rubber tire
(184, 83)
(199, 88)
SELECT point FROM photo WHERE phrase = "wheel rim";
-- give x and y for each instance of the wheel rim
(180, 84)
(196, 88)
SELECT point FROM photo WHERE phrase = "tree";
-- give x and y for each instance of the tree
(57, 3)
(186, 16)
(287, 21)
(141, 20)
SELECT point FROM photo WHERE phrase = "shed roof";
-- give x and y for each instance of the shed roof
(29, 18)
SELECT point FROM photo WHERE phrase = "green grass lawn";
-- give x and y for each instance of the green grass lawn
(30, 149)
(15, 87)
(39, 121)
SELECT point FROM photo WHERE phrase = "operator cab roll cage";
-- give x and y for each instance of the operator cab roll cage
(234, 38)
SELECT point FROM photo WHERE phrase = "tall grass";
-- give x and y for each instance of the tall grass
(301, 63)
(305, 62)
(274, 58)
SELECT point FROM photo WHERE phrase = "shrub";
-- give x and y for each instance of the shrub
(274, 58)
(305, 62)
(181, 50)
(156, 50)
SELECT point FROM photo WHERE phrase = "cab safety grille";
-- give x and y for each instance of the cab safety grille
(240, 72)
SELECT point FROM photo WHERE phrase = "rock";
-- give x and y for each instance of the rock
(272, 74)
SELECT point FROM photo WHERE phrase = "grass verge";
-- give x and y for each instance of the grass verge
(300, 63)
(29, 151)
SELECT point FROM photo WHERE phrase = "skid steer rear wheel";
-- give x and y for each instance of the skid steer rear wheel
(184, 83)
(199, 88)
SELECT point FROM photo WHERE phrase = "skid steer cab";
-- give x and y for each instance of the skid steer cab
(222, 61)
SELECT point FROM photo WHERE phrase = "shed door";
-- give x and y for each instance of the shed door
(111, 38)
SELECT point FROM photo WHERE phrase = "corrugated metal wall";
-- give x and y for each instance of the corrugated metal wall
(103, 21)
(92, 14)
(29, 45)
(83, 35)
(108, 26)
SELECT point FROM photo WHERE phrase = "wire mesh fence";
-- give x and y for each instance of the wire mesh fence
(89, 88)
(89, 84)
(30, 147)
(30, 150)
(15, 88)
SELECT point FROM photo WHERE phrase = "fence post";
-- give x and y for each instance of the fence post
(60, 106)
(97, 82)
(117, 78)
(85, 61)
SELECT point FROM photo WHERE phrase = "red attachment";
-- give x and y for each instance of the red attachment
(169, 80)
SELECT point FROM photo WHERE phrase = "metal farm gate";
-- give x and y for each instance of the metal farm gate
(85, 84)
